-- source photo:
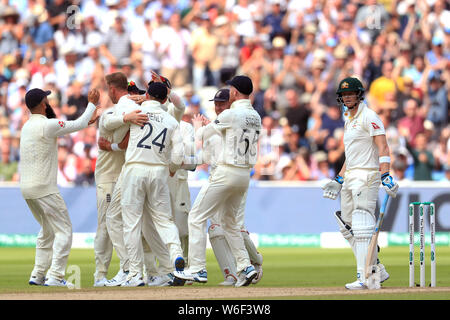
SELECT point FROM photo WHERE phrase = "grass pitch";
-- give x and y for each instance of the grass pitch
(283, 268)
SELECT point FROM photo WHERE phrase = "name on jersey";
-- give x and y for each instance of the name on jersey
(252, 121)
(155, 117)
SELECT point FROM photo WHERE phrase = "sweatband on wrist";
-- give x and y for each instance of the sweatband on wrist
(384, 175)
(339, 179)
(385, 159)
(115, 147)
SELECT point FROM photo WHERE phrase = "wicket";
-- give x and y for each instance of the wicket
(431, 211)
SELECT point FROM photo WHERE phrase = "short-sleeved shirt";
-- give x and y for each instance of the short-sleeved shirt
(361, 151)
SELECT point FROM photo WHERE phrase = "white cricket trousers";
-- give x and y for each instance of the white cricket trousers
(146, 185)
(180, 199)
(359, 191)
(114, 225)
(55, 237)
(154, 247)
(240, 216)
(222, 195)
(103, 247)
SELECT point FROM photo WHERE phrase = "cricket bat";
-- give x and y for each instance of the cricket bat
(372, 250)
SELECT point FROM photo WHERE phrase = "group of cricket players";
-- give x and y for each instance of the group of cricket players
(146, 149)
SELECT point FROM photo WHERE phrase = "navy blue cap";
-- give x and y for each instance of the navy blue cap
(221, 95)
(34, 96)
(157, 90)
(132, 87)
(243, 84)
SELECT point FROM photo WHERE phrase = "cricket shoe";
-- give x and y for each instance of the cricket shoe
(357, 285)
(383, 273)
(100, 282)
(259, 273)
(201, 276)
(135, 280)
(179, 263)
(36, 281)
(176, 282)
(160, 281)
(230, 280)
(52, 282)
(119, 279)
(246, 276)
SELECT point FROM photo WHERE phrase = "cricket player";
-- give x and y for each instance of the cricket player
(38, 169)
(107, 170)
(367, 164)
(154, 151)
(217, 238)
(178, 187)
(239, 129)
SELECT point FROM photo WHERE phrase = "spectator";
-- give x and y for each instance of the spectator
(423, 159)
(174, 51)
(274, 18)
(406, 93)
(321, 168)
(8, 167)
(327, 123)
(412, 123)
(437, 100)
(11, 31)
(86, 176)
(227, 49)
(57, 11)
(76, 102)
(40, 30)
(384, 88)
(298, 112)
(117, 44)
(203, 47)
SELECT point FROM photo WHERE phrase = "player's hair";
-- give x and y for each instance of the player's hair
(118, 80)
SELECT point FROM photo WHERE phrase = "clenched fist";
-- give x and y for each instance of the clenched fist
(94, 96)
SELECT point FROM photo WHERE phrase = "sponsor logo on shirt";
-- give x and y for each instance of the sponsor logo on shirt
(62, 124)
(375, 126)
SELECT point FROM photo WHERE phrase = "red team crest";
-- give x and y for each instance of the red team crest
(62, 124)
(375, 126)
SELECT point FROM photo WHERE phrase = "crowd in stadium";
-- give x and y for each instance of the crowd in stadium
(295, 52)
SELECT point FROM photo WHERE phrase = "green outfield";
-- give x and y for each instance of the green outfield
(283, 268)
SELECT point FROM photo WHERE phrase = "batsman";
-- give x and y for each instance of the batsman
(367, 163)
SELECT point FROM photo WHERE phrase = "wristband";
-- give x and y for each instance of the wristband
(385, 159)
(115, 147)
(384, 175)
(339, 179)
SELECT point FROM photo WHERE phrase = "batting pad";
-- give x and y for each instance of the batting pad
(253, 254)
(363, 224)
(222, 251)
(345, 229)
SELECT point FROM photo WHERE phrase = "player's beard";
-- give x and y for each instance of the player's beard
(49, 113)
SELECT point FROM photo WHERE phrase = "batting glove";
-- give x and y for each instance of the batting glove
(389, 184)
(332, 188)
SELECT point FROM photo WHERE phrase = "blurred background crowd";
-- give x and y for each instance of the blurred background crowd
(296, 52)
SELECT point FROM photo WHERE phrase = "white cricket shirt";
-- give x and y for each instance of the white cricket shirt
(361, 151)
(239, 128)
(38, 166)
(158, 142)
(109, 164)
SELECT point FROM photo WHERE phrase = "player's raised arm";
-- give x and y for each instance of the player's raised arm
(223, 122)
(56, 128)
